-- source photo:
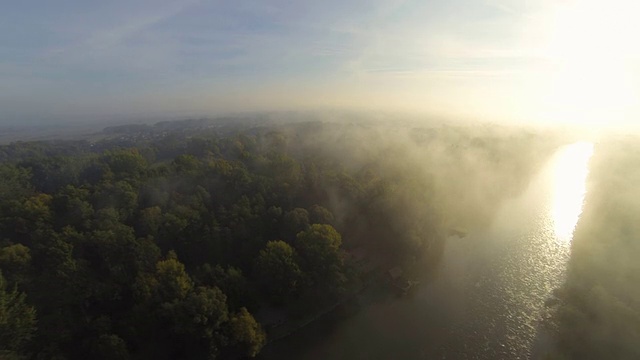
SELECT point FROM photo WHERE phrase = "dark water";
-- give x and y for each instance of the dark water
(487, 298)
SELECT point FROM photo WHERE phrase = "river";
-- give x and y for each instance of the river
(487, 297)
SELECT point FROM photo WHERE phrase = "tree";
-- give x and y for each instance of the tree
(295, 221)
(110, 347)
(34, 213)
(231, 281)
(278, 271)
(17, 321)
(16, 261)
(59, 292)
(201, 313)
(150, 220)
(125, 163)
(169, 282)
(15, 182)
(320, 215)
(247, 332)
(71, 207)
(319, 248)
(286, 173)
(186, 163)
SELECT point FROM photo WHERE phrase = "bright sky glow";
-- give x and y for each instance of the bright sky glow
(564, 61)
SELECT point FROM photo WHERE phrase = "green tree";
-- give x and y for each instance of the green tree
(169, 282)
(72, 207)
(278, 271)
(247, 332)
(319, 247)
(295, 221)
(190, 327)
(127, 163)
(286, 173)
(15, 182)
(201, 313)
(59, 292)
(320, 215)
(17, 321)
(110, 347)
(185, 164)
(231, 281)
(119, 195)
(34, 214)
(149, 221)
(16, 261)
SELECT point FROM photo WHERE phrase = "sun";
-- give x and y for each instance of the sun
(595, 48)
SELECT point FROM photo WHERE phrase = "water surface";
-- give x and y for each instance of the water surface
(486, 300)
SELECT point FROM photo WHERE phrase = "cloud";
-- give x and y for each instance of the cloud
(280, 53)
(123, 48)
(118, 34)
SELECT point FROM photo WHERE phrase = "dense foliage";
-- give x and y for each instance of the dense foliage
(170, 248)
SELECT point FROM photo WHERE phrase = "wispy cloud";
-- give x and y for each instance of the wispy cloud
(119, 33)
(112, 54)
(123, 29)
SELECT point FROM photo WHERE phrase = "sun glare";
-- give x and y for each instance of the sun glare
(594, 45)
(571, 170)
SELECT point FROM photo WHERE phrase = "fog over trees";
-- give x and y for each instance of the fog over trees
(179, 244)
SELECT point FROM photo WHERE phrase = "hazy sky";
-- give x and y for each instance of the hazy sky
(573, 61)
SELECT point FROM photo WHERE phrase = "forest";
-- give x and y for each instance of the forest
(172, 246)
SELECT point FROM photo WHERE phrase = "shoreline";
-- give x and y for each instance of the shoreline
(376, 281)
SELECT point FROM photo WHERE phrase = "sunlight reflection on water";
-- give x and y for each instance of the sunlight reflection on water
(488, 298)
(571, 170)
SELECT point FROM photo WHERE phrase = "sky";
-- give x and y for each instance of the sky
(563, 61)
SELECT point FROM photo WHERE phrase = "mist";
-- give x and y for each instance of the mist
(598, 309)
(223, 198)
(319, 180)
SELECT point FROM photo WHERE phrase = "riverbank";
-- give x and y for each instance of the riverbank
(484, 299)
(367, 289)
(290, 327)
